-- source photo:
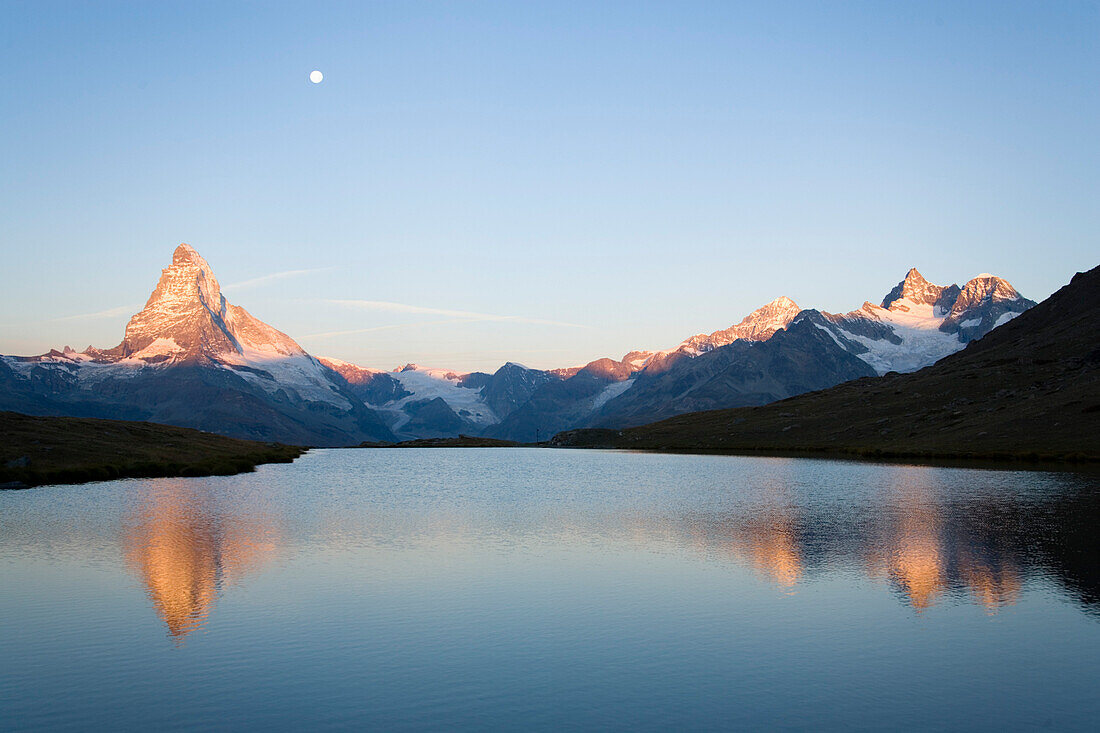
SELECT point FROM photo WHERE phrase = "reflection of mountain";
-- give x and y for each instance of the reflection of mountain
(771, 548)
(921, 556)
(913, 558)
(922, 545)
(928, 543)
(185, 546)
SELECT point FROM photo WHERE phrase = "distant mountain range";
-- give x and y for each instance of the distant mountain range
(192, 359)
(1028, 390)
(777, 351)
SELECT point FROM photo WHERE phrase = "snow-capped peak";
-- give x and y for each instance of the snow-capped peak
(187, 320)
(913, 288)
(919, 323)
(983, 289)
(188, 310)
(756, 326)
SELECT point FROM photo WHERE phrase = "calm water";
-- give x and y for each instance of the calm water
(539, 589)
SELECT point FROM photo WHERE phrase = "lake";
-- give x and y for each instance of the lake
(527, 589)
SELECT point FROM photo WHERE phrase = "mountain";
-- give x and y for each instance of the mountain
(796, 359)
(509, 387)
(419, 402)
(775, 352)
(919, 323)
(520, 403)
(1029, 388)
(563, 403)
(760, 325)
(190, 358)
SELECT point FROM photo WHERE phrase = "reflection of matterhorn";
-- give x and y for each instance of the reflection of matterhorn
(186, 548)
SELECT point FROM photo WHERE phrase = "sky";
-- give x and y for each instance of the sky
(546, 183)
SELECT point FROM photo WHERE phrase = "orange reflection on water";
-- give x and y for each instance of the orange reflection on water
(914, 561)
(767, 540)
(769, 544)
(993, 587)
(185, 547)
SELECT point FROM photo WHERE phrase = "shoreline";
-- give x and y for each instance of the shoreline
(41, 451)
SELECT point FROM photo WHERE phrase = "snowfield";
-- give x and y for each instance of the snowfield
(427, 384)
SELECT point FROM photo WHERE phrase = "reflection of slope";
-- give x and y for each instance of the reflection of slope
(915, 564)
(185, 547)
(773, 550)
(909, 553)
(767, 541)
(992, 585)
(913, 543)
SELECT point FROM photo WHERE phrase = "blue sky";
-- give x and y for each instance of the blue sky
(544, 183)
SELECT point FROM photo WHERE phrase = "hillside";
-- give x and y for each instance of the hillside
(45, 450)
(1029, 389)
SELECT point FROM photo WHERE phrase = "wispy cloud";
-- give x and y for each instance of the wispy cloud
(388, 307)
(273, 277)
(332, 334)
(122, 310)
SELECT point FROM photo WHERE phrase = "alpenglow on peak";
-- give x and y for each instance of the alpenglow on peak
(186, 316)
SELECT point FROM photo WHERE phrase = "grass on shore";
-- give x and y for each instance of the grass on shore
(54, 450)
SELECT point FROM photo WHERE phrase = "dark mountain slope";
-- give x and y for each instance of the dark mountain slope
(559, 404)
(797, 359)
(508, 387)
(1028, 389)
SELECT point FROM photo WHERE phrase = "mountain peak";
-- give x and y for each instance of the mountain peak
(187, 316)
(915, 289)
(778, 314)
(986, 289)
(756, 326)
(184, 250)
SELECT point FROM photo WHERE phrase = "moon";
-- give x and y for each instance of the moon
(316, 76)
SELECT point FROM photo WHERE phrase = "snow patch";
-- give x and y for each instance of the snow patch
(160, 347)
(922, 341)
(610, 392)
(427, 384)
(300, 374)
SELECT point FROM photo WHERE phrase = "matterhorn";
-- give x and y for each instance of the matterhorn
(192, 359)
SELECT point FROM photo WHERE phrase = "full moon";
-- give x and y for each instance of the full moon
(316, 76)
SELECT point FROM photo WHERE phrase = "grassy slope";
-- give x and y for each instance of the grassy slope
(1028, 390)
(41, 450)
